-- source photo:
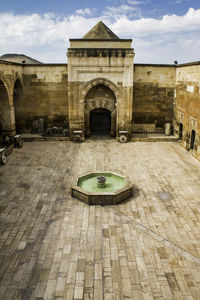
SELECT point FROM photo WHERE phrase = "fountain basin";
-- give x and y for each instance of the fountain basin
(117, 188)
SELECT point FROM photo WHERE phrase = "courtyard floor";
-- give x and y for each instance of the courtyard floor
(55, 247)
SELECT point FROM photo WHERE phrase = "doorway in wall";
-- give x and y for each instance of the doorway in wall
(100, 122)
(192, 140)
(180, 131)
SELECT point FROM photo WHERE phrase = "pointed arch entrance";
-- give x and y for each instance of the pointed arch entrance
(100, 108)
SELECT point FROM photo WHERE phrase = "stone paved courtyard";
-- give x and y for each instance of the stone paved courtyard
(55, 247)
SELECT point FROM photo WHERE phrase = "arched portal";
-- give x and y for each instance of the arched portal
(100, 111)
(4, 108)
(19, 105)
(100, 121)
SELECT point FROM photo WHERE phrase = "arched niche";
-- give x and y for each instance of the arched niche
(100, 97)
(18, 105)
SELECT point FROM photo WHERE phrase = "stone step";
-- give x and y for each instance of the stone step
(155, 138)
(38, 137)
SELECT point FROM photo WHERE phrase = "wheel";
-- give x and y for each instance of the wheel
(65, 132)
(123, 139)
(3, 159)
(49, 131)
(60, 130)
(77, 138)
(54, 130)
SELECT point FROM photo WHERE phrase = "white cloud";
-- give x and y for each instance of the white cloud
(173, 23)
(45, 37)
(134, 2)
(115, 12)
(85, 11)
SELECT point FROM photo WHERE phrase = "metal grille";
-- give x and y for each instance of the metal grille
(139, 134)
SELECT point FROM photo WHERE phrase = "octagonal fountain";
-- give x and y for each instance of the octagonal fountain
(101, 188)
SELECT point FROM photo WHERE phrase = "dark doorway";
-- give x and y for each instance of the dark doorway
(180, 131)
(100, 121)
(192, 140)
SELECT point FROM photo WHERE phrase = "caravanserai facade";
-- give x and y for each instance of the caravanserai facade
(101, 89)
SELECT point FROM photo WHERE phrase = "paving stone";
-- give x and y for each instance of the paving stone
(53, 246)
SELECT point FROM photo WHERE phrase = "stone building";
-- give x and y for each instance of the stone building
(101, 89)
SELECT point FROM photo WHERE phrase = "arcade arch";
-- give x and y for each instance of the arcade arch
(18, 104)
(4, 107)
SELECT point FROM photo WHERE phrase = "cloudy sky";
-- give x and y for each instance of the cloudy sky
(162, 30)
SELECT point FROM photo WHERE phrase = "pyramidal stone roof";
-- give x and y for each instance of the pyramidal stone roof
(100, 32)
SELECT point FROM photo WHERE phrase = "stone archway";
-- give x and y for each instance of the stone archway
(100, 96)
(18, 105)
(5, 121)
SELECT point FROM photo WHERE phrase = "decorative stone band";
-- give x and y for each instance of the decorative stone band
(99, 52)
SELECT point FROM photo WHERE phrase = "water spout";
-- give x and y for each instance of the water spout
(101, 181)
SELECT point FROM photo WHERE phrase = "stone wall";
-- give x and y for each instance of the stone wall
(187, 106)
(45, 95)
(159, 93)
(153, 94)
(10, 73)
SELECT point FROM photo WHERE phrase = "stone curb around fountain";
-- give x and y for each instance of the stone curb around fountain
(102, 198)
